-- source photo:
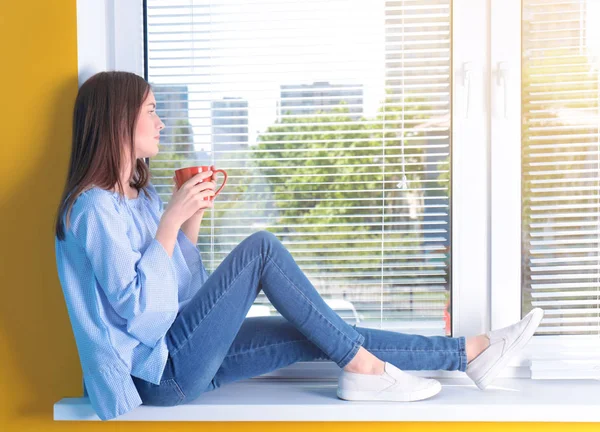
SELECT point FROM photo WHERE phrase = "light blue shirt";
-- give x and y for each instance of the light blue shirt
(122, 292)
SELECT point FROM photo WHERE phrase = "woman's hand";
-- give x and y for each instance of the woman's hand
(212, 185)
(188, 200)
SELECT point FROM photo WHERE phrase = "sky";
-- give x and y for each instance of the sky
(250, 48)
(257, 46)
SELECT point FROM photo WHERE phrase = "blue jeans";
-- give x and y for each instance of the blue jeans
(212, 343)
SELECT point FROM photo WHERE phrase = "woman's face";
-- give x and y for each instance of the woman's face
(147, 132)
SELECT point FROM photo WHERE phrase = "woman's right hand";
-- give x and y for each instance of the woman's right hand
(189, 198)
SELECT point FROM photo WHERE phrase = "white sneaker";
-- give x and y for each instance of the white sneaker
(392, 385)
(504, 344)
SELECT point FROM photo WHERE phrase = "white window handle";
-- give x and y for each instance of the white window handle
(466, 75)
(502, 80)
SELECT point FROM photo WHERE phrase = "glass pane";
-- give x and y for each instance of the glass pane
(561, 164)
(332, 119)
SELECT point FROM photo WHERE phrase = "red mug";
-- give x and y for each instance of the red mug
(184, 174)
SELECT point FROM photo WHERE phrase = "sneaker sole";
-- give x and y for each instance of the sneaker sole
(390, 397)
(521, 341)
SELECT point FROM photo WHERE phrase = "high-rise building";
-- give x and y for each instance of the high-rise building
(307, 99)
(172, 108)
(229, 117)
(567, 19)
(417, 78)
(417, 47)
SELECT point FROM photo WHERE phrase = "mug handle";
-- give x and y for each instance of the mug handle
(224, 179)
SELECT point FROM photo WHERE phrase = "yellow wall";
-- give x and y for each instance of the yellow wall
(38, 81)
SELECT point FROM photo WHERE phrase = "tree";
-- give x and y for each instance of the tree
(336, 181)
(178, 149)
(179, 152)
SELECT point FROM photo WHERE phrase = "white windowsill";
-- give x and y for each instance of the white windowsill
(508, 400)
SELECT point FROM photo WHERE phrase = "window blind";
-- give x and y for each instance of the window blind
(561, 164)
(332, 121)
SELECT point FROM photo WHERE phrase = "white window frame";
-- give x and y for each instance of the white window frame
(486, 202)
(109, 37)
(505, 193)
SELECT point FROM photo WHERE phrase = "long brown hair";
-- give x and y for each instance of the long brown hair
(104, 122)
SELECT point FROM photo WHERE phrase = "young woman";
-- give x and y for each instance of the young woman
(152, 327)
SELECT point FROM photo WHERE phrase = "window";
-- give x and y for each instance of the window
(561, 164)
(332, 120)
(317, 110)
(544, 125)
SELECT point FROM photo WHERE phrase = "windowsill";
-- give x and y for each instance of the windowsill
(508, 400)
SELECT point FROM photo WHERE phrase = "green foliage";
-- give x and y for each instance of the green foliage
(321, 184)
(336, 184)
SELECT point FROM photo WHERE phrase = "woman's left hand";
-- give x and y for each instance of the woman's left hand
(211, 185)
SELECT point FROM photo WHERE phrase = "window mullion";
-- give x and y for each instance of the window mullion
(470, 167)
(505, 133)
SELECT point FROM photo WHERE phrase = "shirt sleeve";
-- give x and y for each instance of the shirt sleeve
(189, 250)
(141, 285)
(192, 257)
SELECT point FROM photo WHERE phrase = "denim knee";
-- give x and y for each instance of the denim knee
(261, 243)
(264, 239)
